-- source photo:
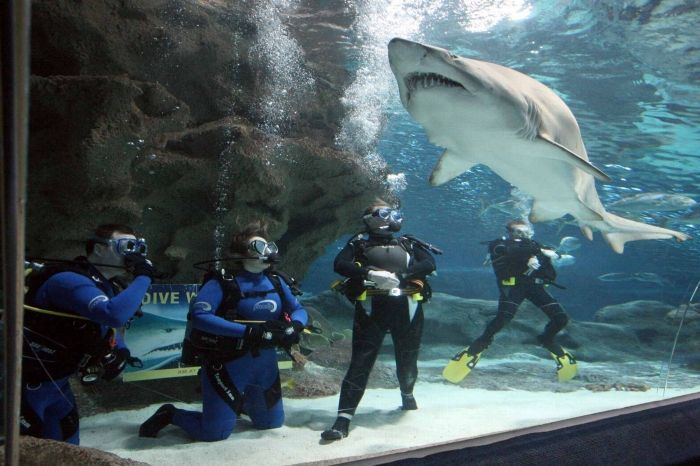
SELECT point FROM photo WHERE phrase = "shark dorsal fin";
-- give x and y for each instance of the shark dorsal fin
(449, 166)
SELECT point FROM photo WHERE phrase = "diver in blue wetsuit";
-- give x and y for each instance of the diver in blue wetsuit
(389, 272)
(236, 322)
(72, 310)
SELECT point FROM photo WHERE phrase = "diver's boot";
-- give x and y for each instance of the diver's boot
(338, 431)
(408, 402)
(154, 424)
(548, 343)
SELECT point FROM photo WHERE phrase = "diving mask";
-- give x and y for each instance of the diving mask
(391, 215)
(262, 248)
(384, 218)
(124, 246)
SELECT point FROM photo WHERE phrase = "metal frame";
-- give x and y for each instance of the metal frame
(15, 127)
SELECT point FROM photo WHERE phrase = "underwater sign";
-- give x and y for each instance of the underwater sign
(156, 337)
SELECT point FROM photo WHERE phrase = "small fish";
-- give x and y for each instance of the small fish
(512, 208)
(564, 260)
(614, 277)
(692, 217)
(647, 277)
(653, 202)
(568, 244)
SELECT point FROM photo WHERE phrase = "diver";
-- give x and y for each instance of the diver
(235, 323)
(523, 269)
(72, 310)
(391, 270)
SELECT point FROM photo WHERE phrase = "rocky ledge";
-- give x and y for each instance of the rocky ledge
(187, 120)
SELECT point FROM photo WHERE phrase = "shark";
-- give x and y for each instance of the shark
(485, 113)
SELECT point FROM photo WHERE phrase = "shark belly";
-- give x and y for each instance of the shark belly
(487, 134)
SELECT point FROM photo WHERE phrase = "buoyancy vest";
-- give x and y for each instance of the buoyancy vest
(394, 255)
(391, 257)
(58, 341)
(199, 346)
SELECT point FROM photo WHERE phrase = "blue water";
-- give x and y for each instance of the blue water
(630, 76)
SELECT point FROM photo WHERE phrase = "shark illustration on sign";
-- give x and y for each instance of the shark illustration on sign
(483, 113)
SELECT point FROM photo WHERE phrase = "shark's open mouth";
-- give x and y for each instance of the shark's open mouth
(428, 80)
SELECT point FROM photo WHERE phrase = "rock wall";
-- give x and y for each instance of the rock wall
(169, 116)
(40, 452)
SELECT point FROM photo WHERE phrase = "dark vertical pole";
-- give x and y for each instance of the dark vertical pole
(15, 109)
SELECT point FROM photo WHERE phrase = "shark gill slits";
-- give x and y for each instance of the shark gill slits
(428, 80)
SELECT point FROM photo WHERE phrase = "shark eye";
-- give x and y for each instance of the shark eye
(453, 56)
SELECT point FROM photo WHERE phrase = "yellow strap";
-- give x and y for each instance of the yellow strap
(138, 376)
(336, 283)
(54, 313)
(362, 297)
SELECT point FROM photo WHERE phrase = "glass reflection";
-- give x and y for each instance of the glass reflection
(208, 112)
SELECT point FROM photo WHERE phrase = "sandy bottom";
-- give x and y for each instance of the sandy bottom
(446, 412)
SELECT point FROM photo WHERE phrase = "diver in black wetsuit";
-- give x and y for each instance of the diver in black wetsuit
(523, 267)
(392, 271)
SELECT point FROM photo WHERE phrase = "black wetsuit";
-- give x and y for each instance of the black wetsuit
(399, 315)
(509, 258)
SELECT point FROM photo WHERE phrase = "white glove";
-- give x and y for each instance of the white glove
(383, 279)
(532, 265)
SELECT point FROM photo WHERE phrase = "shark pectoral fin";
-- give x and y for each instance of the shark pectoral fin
(449, 166)
(577, 161)
(587, 232)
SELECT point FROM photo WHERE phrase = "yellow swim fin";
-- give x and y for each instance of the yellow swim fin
(460, 366)
(566, 366)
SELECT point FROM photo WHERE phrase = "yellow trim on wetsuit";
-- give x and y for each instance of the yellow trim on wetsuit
(508, 282)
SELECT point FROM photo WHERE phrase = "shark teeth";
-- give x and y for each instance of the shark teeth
(428, 80)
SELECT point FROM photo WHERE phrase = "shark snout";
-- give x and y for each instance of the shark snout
(405, 53)
(419, 67)
(398, 42)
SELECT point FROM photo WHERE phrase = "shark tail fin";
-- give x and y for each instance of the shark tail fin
(623, 230)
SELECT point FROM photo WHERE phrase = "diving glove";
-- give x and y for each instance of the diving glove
(137, 264)
(383, 279)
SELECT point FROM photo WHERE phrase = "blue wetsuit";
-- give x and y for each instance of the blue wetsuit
(48, 405)
(255, 377)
